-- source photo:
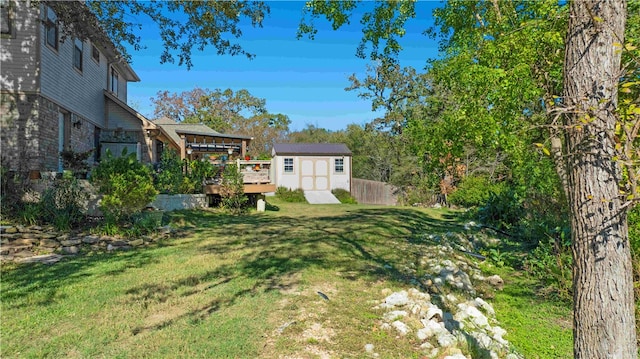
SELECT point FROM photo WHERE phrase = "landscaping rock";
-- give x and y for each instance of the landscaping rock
(496, 281)
(397, 299)
(70, 242)
(25, 242)
(20, 242)
(49, 243)
(91, 239)
(402, 328)
(7, 229)
(70, 250)
(136, 242)
(369, 348)
(46, 259)
(23, 254)
(393, 315)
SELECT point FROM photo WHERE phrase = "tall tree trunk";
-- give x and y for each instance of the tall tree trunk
(604, 325)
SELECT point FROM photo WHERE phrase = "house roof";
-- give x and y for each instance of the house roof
(128, 108)
(310, 149)
(174, 129)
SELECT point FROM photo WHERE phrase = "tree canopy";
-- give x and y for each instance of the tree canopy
(182, 25)
(225, 111)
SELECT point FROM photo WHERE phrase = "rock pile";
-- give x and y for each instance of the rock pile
(453, 327)
(448, 317)
(43, 244)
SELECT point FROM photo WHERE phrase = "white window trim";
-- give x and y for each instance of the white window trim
(284, 166)
(335, 165)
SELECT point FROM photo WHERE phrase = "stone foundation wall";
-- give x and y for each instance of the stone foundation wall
(174, 202)
(44, 244)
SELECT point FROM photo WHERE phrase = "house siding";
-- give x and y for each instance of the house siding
(39, 83)
(19, 51)
(121, 118)
(79, 92)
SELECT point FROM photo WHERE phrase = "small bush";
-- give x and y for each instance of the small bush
(168, 179)
(502, 210)
(474, 191)
(62, 203)
(232, 190)
(126, 185)
(293, 196)
(29, 213)
(551, 263)
(344, 196)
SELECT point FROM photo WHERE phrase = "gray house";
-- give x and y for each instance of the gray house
(62, 95)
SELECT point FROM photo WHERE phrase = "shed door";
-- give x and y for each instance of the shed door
(314, 174)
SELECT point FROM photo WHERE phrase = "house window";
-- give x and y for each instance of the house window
(5, 20)
(339, 165)
(288, 165)
(77, 54)
(114, 81)
(97, 131)
(51, 28)
(95, 53)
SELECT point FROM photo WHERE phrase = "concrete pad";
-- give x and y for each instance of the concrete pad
(320, 197)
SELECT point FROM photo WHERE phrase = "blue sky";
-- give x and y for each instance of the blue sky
(304, 79)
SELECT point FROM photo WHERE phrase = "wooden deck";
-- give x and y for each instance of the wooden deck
(249, 188)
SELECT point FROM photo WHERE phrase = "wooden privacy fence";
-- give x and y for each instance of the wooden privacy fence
(373, 192)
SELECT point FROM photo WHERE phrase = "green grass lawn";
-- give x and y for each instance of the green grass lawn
(246, 287)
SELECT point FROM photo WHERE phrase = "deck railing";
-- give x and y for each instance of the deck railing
(253, 172)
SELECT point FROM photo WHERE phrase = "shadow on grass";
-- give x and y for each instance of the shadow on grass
(268, 251)
(44, 281)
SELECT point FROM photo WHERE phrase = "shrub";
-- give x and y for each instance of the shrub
(551, 263)
(502, 210)
(126, 185)
(474, 191)
(287, 195)
(76, 161)
(62, 203)
(343, 196)
(201, 170)
(29, 213)
(169, 178)
(232, 190)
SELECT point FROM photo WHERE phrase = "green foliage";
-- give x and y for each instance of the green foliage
(168, 180)
(198, 172)
(171, 177)
(343, 196)
(62, 203)
(199, 24)
(551, 263)
(126, 185)
(29, 213)
(291, 196)
(226, 111)
(383, 25)
(76, 161)
(232, 190)
(474, 191)
(502, 210)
